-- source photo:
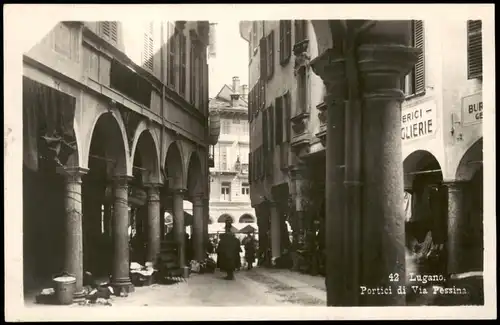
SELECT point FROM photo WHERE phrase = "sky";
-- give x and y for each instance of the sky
(231, 57)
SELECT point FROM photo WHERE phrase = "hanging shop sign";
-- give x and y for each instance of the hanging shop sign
(418, 121)
(472, 109)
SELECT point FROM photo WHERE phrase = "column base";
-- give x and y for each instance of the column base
(122, 287)
(185, 272)
(79, 296)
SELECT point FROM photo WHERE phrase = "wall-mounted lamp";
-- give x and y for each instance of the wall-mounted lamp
(455, 120)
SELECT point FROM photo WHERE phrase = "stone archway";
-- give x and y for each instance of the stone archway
(174, 170)
(224, 217)
(105, 203)
(195, 192)
(144, 199)
(471, 162)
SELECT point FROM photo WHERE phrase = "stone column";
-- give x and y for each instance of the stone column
(179, 228)
(457, 229)
(73, 258)
(365, 252)
(330, 67)
(383, 60)
(206, 216)
(154, 226)
(275, 230)
(198, 223)
(120, 278)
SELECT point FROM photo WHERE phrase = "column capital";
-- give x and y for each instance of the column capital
(121, 180)
(153, 185)
(454, 185)
(179, 191)
(330, 67)
(153, 191)
(382, 67)
(73, 174)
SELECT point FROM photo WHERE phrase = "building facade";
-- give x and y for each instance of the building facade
(441, 133)
(229, 186)
(115, 122)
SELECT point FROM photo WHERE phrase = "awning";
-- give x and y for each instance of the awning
(249, 228)
(48, 116)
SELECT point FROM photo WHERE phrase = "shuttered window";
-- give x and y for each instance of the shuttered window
(265, 133)
(285, 41)
(262, 165)
(182, 63)
(271, 127)
(270, 55)
(278, 122)
(287, 108)
(414, 84)
(192, 72)
(147, 53)
(250, 106)
(254, 40)
(171, 50)
(250, 168)
(300, 30)
(474, 49)
(109, 29)
(262, 95)
(263, 58)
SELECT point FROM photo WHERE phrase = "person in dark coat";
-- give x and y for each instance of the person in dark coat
(250, 244)
(228, 252)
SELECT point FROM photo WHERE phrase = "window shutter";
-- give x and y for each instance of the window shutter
(148, 51)
(265, 123)
(106, 29)
(262, 166)
(282, 39)
(288, 42)
(271, 127)
(114, 31)
(288, 112)
(250, 167)
(279, 121)
(300, 30)
(419, 42)
(270, 56)
(474, 49)
(263, 58)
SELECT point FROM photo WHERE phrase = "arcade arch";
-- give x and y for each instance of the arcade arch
(107, 159)
(425, 206)
(247, 218)
(224, 217)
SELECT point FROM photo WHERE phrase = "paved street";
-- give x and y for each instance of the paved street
(258, 287)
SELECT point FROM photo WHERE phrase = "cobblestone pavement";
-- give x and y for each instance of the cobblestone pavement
(257, 287)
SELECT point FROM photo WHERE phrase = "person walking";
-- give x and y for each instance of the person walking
(228, 252)
(249, 243)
